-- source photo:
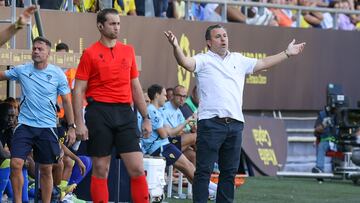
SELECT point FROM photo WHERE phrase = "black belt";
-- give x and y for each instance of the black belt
(90, 100)
(225, 120)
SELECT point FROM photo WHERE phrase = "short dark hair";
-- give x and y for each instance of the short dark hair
(211, 27)
(62, 46)
(101, 16)
(42, 39)
(153, 89)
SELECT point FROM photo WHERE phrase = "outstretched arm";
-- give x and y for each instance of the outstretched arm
(187, 62)
(292, 50)
(23, 19)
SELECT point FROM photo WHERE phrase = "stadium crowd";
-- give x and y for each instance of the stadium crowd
(212, 11)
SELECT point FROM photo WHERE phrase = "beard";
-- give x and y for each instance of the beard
(110, 35)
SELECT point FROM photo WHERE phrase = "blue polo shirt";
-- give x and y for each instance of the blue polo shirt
(151, 144)
(173, 116)
(39, 91)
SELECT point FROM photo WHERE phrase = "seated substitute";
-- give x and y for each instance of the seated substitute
(158, 143)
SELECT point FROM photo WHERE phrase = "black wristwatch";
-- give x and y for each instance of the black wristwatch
(146, 117)
(71, 125)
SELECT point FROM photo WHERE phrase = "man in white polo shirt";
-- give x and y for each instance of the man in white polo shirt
(220, 76)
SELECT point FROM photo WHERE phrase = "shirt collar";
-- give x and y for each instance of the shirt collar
(215, 54)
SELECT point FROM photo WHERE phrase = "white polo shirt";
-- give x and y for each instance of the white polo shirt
(221, 84)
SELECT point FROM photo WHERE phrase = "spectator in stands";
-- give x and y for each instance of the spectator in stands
(344, 20)
(328, 20)
(197, 10)
(40, 83)
(125, 7)
(82, 6)
(260, 16)
(160, 7)
(355, 19)
(169, 93)
(176, 9)
(140, 7)
(53, 4)
(324, 132)
(158, 143)
(213, 13)
(19, 3)
(180, 134)
(313, 18)
(282, 16)
(219, 72)
(12, 29)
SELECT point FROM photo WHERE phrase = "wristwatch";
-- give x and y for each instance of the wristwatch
(146, 117)
(71, 125)
(18, 24)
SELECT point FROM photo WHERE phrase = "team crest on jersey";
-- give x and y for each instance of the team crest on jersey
(172, 156)
(48, 77)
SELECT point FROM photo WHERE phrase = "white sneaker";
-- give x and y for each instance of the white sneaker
(71, 198)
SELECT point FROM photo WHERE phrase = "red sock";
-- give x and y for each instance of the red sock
(139, 189)
(99, 190)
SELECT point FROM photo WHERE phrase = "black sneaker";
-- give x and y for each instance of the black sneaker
(317, 170)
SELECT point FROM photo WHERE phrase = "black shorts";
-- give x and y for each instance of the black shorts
(111, 125)
(43, 141)
(176, 141)
(170, 152)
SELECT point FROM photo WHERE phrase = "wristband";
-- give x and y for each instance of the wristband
(146, 117)
(72, 125)
(287, 55)
(18, 25)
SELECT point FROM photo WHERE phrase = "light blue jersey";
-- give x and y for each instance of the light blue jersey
(173, 116)
(39, 91)
(154, 142)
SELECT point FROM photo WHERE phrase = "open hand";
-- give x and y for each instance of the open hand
(294, 49)
(25, 16)
(172, 38)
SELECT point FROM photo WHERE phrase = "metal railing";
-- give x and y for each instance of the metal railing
(246, 4)
(12, 84)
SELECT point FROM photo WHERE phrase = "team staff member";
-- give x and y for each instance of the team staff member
(40, 85)
(220, 76)
(108, 75)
